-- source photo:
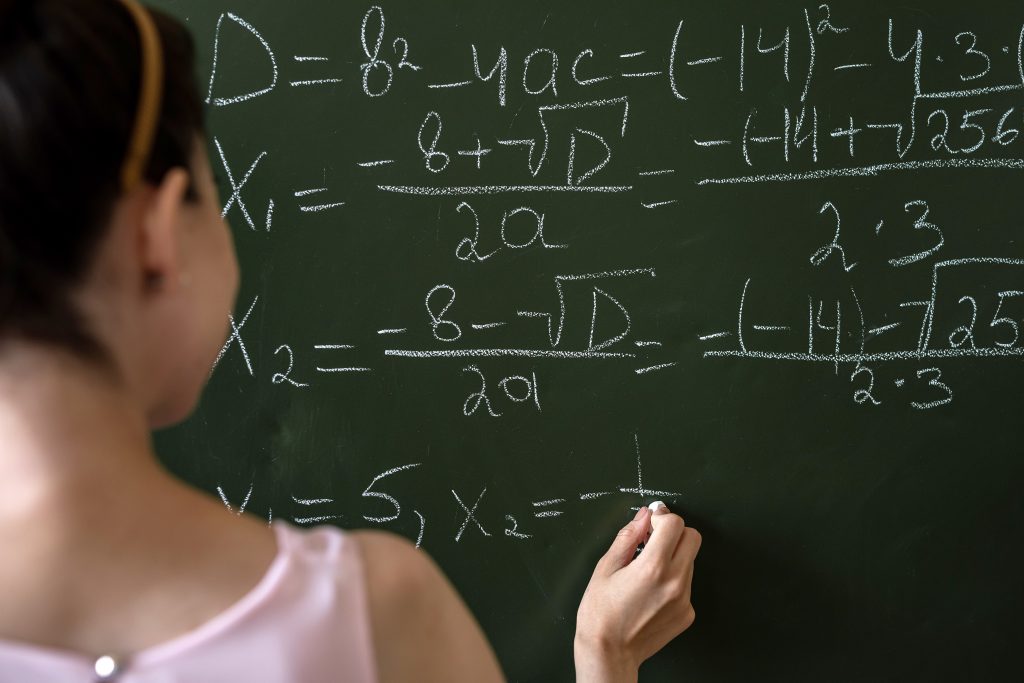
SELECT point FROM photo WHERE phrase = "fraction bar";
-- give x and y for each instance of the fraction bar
(869, 357)
(497, 353)
(499, 189)
(862, 171)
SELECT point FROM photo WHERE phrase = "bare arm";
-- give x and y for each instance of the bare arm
(422, 630)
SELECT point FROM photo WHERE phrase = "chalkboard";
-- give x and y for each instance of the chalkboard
(511, 270)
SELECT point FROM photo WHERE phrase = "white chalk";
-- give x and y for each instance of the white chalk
(655, 505)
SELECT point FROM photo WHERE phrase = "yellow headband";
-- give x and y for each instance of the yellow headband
(150, 95)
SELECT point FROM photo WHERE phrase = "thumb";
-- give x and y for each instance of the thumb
(623, 548)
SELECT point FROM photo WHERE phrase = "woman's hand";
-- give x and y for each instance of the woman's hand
(633, 607)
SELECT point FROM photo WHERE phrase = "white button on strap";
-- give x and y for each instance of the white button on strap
(106, 668)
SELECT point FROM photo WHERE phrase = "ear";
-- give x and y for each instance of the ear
(159, 237)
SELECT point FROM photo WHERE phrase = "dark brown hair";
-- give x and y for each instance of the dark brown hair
(69, 89)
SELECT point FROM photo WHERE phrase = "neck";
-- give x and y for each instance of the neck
(72, 438)
(93, 522)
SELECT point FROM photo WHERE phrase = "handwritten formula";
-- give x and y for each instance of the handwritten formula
(956, 100)
(511, 271)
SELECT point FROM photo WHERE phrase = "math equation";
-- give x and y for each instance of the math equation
(862, 126)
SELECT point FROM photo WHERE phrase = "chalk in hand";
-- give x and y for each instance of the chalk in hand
(653, 507)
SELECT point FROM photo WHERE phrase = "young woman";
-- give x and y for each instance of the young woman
(116, 277)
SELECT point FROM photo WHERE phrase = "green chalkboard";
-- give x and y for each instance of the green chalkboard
(761, 260)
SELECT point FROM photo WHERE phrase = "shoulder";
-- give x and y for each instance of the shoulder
(405, 592)
(393, 573)
(397, 578)
(421, 628)
(400, 578)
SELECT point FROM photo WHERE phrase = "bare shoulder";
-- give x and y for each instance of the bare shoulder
(399, 577)
(422, 630)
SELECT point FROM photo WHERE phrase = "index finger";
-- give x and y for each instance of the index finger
(667, 531)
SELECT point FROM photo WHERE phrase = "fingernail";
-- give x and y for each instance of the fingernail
(657, 505)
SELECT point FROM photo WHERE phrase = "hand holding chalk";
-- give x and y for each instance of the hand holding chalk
(636, 602)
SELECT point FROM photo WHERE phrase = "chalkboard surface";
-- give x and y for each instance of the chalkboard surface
(512, 269)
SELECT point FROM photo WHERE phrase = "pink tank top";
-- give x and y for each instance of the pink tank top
(306, 620)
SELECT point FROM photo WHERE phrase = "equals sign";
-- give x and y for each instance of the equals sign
(542, 514)
(314, 81)
(338, 347)
(316, 208)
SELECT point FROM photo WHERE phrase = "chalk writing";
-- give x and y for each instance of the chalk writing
(578, 214)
